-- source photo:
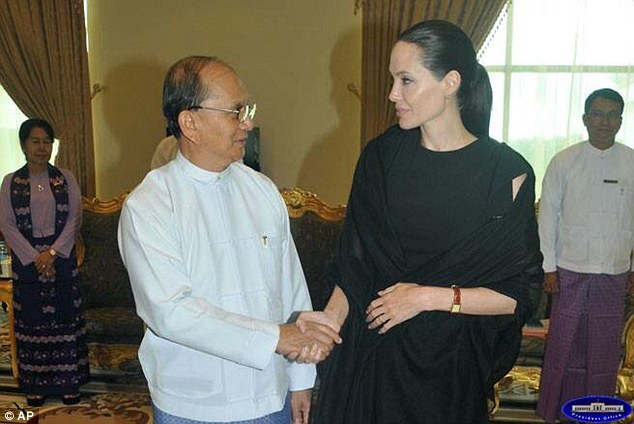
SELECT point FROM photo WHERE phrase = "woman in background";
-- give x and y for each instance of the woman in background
(438, 249)
(40, 216)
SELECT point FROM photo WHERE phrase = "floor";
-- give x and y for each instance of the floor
(126, 408)
(95, 408)
(118, 394)
(104, 403)
(516, 414)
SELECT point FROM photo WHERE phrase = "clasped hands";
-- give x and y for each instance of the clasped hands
(45, 264)
(309, 339)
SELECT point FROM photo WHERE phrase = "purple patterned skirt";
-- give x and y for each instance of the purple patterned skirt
(50, 327)
(583, 348)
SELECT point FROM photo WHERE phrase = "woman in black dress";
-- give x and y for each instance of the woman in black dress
(437, 253)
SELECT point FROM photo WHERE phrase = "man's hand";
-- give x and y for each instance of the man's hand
(551, 284)
(300, 406)
(630, 287)
(309, 320)
(307, 341)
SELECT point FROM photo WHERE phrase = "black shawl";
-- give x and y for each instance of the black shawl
(437, 367)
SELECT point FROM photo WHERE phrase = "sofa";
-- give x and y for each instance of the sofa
(106, 291)
(315, 226)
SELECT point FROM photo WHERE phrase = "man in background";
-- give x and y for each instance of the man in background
(586, 229)
(214, 270)
(165, 151)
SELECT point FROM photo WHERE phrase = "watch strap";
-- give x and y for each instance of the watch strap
(457, 300)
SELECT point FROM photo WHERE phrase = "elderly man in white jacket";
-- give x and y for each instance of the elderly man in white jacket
(214, 270)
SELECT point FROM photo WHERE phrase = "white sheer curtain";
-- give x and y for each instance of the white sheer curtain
(544, 58)
(11, 156)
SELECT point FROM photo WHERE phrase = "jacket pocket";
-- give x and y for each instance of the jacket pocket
(179, 371)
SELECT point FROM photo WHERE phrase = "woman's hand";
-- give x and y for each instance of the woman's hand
(319, 317)
(45, 264)
(397, 304)
(337, 308)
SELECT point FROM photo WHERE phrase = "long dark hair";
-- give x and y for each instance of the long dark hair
(445, 48)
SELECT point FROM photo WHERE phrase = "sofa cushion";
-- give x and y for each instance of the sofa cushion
(104, 279)
(315, 227)
(316, 241)
(113, 325)
(106, 291)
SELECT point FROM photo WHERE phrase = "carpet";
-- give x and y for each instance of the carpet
(520, 385)
(105, 408)
(113, 367)
(116, 394)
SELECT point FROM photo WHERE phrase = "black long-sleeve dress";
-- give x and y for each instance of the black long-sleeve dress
(433, 218)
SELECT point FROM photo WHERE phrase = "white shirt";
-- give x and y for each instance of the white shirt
(586, 215)
(214, 271)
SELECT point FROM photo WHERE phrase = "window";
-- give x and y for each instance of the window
(544, 58)
(10, 120)
(11, 156)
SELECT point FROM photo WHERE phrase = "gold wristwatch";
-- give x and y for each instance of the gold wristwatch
(457, 302)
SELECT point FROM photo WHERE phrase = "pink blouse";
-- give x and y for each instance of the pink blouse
(42, 216)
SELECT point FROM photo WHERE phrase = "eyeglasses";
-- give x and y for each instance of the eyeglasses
(599, 115)
(244, 113)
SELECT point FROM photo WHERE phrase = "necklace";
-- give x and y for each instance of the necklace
(40, 188)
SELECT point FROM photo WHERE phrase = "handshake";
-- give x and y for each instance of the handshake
(309, 339)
